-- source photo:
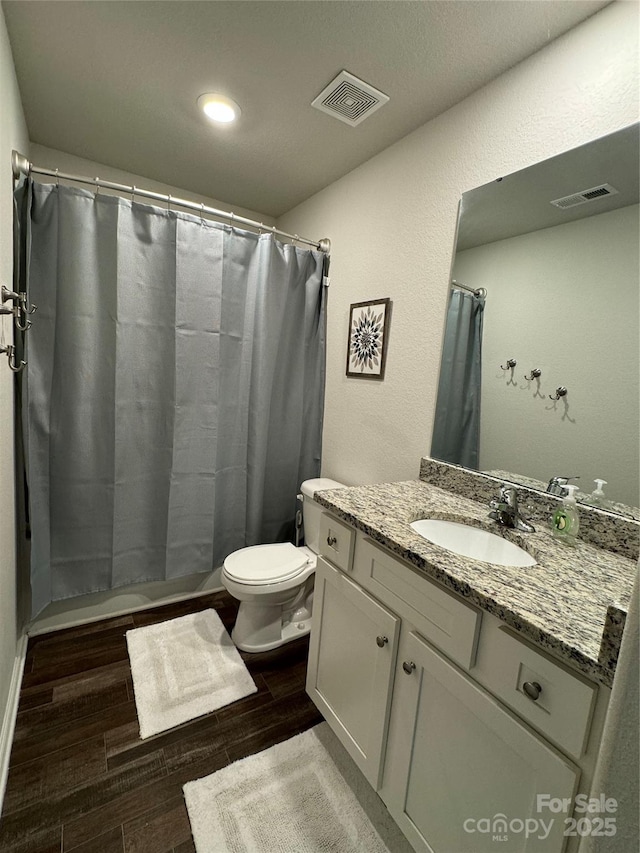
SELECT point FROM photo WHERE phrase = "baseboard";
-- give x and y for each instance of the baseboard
(10, 712)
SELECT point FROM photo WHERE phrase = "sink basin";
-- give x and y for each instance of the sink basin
(472, 542)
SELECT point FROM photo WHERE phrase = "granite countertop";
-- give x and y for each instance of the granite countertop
(572, 603)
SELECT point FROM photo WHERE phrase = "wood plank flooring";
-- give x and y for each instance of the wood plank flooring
(80, 778)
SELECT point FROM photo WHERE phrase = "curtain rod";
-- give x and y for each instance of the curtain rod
(21, 166)
(477, 291)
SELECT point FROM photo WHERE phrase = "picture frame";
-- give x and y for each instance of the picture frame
(368, 337)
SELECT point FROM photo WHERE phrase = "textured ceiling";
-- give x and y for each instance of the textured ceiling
(117, 82)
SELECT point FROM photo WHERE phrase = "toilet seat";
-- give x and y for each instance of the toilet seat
(265, 564)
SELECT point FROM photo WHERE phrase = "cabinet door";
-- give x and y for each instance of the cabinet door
(352, 655)
(457, 762)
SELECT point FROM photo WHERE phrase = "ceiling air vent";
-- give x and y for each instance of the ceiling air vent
(585, 195)
(349, 99)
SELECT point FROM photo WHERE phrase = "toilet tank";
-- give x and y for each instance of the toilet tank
(311, 511)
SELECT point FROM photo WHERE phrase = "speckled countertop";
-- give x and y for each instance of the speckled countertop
(572, 603)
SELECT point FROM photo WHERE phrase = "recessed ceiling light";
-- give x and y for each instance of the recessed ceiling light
(218, 108)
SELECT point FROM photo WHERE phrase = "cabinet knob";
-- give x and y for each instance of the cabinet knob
(382, 641)
(408, 666)
(532, 689)
(331, 540)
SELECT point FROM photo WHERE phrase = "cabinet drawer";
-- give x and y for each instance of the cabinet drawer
(336, 541)
(564, 703)
(442, 618)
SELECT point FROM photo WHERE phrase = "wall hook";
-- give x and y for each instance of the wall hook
(10, 350)
(535, 373)
(26, 327)
(9, 294)
(560, 392)
(511, 363)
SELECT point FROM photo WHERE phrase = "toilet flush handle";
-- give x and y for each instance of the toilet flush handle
(331, 540)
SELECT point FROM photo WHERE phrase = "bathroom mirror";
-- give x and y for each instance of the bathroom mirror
(556, 248)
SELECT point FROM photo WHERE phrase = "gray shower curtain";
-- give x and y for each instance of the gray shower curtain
(456, 429)
(174, 390)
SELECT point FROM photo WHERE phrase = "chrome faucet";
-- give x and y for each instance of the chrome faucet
(505, 510)
(556, 485)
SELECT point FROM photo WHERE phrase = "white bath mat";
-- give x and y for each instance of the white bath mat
(184, 668)
(297, 796)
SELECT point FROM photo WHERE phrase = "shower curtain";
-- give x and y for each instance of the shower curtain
(173, 398)
(456, 429)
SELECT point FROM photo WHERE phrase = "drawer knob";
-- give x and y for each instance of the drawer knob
(331, 540)
(408, 666)
(532, 689)
(382, 641)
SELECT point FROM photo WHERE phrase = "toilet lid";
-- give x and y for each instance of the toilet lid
(265, 563)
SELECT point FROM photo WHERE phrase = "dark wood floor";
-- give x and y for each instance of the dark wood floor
(80, 777)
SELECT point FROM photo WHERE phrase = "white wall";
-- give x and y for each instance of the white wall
(565, 300)
(392, 223)
(616, 775)
(13, 134)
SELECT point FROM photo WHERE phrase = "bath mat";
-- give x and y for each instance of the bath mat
(303, 795)
(184, 668)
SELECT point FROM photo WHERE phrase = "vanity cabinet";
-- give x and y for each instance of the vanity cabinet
(352, 653)
(455, 756)
(427, 694)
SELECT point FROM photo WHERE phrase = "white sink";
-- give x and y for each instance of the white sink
(472, 542)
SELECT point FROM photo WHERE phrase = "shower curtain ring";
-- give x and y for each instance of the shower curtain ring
(95, 180)
(133, 193)
(57, 180)
(169, 202)
(202, 213)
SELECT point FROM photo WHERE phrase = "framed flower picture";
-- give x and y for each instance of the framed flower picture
(368, 333)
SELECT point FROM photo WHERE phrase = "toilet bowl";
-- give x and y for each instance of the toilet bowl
(274, 583)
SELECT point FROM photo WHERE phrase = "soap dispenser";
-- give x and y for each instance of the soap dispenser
(597, 498)
(565, 523)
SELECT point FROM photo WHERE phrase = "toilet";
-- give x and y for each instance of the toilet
(274, 583)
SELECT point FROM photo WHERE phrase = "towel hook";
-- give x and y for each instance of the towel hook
(27, 323)
(10, 350)
(560, 392)
(535, 373)
(511, 363)
(9, 294)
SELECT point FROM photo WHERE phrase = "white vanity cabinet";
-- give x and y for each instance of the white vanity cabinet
(433, 711)
(457, 760)
(352, 653)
